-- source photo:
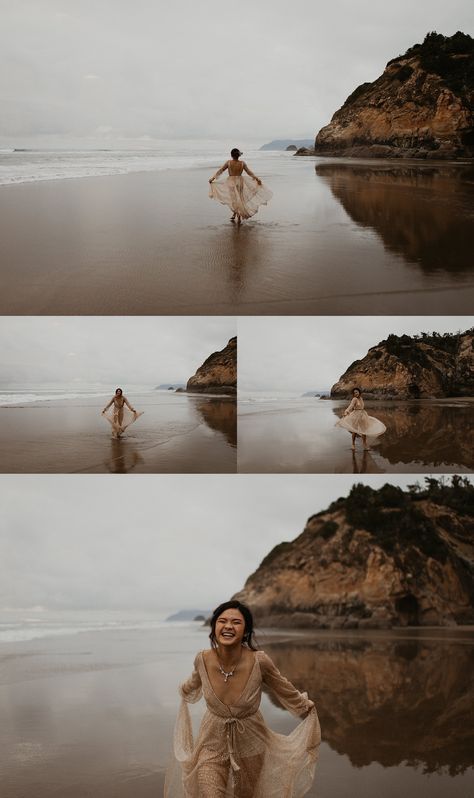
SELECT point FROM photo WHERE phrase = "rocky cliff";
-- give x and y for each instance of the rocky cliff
(218, 374)
(422, 106)
(404, 366)
(376, 559)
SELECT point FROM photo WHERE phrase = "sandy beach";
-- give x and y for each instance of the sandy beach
(337, 238)
(178, 433)
(299, 436)
(92, 713)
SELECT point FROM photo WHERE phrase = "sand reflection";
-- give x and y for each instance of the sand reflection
(428, 433)
(220, 415)
(421, 212)
(390, 701)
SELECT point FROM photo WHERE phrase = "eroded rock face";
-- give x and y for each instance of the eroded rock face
(422, 106)
(218, 374)
(374, 560)
(413, 367)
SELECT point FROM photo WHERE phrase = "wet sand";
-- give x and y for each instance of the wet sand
(341, 238)
(299, 436)
(92, 714)
(178, 433)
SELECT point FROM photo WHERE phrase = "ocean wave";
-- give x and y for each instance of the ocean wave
(32, 166)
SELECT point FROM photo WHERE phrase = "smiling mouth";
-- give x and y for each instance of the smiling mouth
(228, 634)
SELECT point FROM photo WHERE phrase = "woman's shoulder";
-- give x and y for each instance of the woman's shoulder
(263, 659)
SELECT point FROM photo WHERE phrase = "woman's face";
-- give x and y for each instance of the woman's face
(356, 393)
(118, 392)
(230, 628)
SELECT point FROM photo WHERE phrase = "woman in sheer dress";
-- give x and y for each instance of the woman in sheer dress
(235, 754)
(117, 417)
(357, 421)
(242, 194)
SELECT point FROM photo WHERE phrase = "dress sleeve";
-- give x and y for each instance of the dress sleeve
(126, 402)
(295, 702)
(191, 689)
(350, 407)
(109, 405)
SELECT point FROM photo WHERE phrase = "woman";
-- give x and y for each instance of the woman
(242, 195)
(358, 422)
(235, 753)
(116, 418)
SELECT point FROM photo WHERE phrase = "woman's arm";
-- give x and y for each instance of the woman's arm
(191, 689)
(350, 407)
(249, 172)
(219, 171)
(295, 702)
(109, 405)
(126, 402)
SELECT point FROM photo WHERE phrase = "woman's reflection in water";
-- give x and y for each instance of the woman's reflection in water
(123, 458)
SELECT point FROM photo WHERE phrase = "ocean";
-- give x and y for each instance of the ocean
(31, 166)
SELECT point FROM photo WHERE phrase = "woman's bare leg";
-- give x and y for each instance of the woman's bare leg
(364, 441)
(353, 440)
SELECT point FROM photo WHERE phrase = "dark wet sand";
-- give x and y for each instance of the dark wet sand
(92, 714)
(300, 436)
(342, 239)
(178, 433)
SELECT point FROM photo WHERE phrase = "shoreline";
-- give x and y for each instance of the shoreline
(148, 243)
(177, 434)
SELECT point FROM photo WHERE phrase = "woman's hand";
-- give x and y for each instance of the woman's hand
(258, 181)
(211, 180)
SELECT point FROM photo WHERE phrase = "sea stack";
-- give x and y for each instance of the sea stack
(376, 559)
(218, 373)
(422, 106)
(413, 367)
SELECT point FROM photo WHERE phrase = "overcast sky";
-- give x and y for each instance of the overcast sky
(110, 349)
(115, 72)
(310, 352)
(168, 541)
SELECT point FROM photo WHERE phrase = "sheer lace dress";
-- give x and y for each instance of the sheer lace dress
(235, 753)
(356, 419)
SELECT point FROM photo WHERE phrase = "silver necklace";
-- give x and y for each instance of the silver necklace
(227, 674)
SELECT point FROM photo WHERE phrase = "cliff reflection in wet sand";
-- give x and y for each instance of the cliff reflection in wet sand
(426, 433)
(301, 436)
(423, 212)
(220, 415)
(390, 701)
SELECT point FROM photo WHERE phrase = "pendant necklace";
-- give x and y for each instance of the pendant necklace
(227, 674)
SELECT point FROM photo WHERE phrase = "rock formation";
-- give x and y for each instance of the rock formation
(422, 106)
(404, 367)
(218, 374)
(376, 559)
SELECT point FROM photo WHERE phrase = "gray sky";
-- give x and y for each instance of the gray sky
(310, 352)
(168, 541)
(109, 349)
(112, 72)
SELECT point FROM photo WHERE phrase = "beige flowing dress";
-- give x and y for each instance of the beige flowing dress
(242, 194)
(356, 419)
(120, 415)
(236, 754)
